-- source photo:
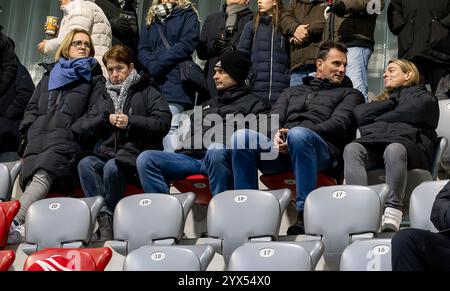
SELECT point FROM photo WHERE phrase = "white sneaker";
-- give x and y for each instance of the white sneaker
(16, 233)
(391, 219)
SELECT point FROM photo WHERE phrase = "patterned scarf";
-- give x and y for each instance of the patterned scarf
(119, 93)
(162, 11)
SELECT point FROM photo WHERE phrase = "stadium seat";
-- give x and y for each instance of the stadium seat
(8, 175)
(238, 216)
(68, 260)
(367, 255)
(198, 184)
(415, 176)
(57, 223)
(7, 258)
(169, 258)
(444, 130)
(287, 180)
(150, 218)
(8, 211)
(272, 256)
(335, 213)
(421, 202)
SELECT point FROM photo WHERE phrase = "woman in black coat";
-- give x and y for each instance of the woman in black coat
(398, 132)
(60, 99)
(130, 117)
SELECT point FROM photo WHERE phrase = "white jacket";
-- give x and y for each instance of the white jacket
(85, 15)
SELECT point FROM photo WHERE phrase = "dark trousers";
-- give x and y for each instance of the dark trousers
(431, 72)
(420, 250)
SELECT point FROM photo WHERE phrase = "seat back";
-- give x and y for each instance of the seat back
(337, 212)
(421, 202)
(52, 222)
(237, 216)
(169, 258)
(142, 219)
(8, 211)
(75, 259)
(444, 130)
(198, 184)
(367, 255)
(5, 183)
(95, 205)
(271, 256)
(7, 258)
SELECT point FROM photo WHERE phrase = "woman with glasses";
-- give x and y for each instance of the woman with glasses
(177, 21)
(132, 117)
(49, 142)
(86, 15)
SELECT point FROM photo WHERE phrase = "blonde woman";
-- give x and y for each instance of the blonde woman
(397, 132)
(178, 21)
(47, 128)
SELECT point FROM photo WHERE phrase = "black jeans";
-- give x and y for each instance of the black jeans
(420, 250)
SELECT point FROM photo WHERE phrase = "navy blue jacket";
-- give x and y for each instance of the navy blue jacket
(182, 30)
(269, 53)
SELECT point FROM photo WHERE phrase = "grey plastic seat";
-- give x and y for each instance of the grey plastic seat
(271, 256)
(95, 205)
(367, 255)
(336, 213)
(444, 130)
(421, 202)
(169, 258)
(238, 216)
(147, 219)
(5, 183)
(57, 223)
(415, 176)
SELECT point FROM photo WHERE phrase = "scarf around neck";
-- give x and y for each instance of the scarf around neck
(162, 11)
(232, 11)
(118, 93)
(68, 71)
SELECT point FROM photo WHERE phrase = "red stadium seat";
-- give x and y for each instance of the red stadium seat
(69, 259)
(6, 259)
(287, 180)
(198, 184)
(8, 211)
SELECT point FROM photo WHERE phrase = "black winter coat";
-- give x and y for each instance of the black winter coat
(12, 108)
(124, 22)
(409, 117)
(324, 108)
(48, 122)
(8, 63)
(440, 213)
(269, 53)
(422, 28)
(227, 105)
(148, 122)
(213, 27)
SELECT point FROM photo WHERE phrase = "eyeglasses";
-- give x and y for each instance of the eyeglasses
(79, 44)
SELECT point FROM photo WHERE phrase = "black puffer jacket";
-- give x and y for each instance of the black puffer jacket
(227, 106)
(440, 213)
(422, 28)
(212, 28)
(409, 117)
(8, 63)
(48, 122)
(149, 121)
(12, 108)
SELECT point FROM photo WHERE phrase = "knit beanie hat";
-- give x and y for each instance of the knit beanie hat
(236, 64)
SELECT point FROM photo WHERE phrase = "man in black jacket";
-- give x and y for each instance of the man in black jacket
(315, 123)
(220, 33)
(8, 63)
(124, 22)
(204, 151)
(422, 250)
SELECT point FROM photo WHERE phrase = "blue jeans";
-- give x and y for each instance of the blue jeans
(157, 169)
(99, 178)
(308, 154)
(358, 63)
(301, 72)
(170, 140)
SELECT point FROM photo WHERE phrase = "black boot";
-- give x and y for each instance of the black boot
(298, 227)
(105, 227)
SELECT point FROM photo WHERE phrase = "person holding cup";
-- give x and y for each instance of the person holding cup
(81, 14)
